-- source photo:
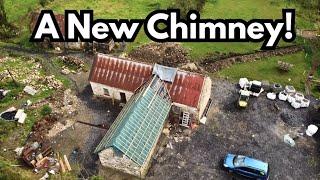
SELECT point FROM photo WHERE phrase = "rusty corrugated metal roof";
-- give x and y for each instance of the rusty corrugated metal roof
(186, 88)
(119, 73)
(130, 75)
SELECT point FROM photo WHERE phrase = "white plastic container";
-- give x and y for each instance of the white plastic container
(291, 98)
(288, 140)
(290, 89)
(305, 103)
(296, 104)
(271, 96)
(243, 82)
(312, 129)
(283, 96)
(299, 96)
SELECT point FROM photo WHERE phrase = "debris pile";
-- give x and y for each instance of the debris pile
(28, 71)
(52, 82)
(169, 54)
(30, 90)
(193, 67)
(284, 66)
(41, 128)
(72, 61)
(23, 73)
(65, 105)
(40, 156)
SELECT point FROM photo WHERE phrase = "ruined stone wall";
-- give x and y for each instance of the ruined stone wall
(205, 95)
(108, 158)
(184, 108)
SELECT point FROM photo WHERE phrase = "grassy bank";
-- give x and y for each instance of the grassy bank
(214, 9)
(267, 69)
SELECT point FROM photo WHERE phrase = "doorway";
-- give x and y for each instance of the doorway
(123, 98)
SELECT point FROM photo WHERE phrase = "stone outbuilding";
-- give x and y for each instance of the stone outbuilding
(131, 140)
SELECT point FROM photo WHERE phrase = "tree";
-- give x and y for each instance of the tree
(44, 3)
(186, 5)
(3, 15)
(7, 30)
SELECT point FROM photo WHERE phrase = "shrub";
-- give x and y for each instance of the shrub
(187, 5)
(44, 3)
(46, 110)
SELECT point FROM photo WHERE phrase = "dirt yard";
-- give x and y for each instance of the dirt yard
(256, 131)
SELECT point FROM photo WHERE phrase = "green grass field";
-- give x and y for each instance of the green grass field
(266, 69)
(17, 11)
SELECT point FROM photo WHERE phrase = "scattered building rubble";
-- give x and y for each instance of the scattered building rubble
(40, 156)
(27, 71)
(169, 54)
(72, 61)
(41, 128)
(52, 82)
(64, 108)
(36, 155)
(30, 90)
(284, 66)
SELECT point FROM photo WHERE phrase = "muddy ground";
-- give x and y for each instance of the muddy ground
(256, 131)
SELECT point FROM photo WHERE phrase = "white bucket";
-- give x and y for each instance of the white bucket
(299, 96)
(312, 129)
(290, 89)
(271, 96)
(305, 103)
(291, 98)
(283, 96)
(296, 104)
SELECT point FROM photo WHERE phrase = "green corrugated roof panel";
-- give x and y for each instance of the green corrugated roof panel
(139, 124)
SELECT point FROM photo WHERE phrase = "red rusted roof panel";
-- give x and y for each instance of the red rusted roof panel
(119, 73)
(186, 88)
